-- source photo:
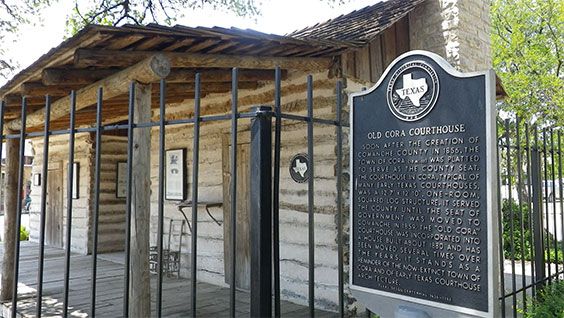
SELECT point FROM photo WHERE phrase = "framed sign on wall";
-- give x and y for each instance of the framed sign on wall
(175, 178)
(75, 183)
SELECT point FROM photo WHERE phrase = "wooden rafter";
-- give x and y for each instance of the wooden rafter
(106, 58)
(148, 70)
(71, 76)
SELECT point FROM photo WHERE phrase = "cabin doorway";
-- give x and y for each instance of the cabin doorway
(243, 255)
(54, 208)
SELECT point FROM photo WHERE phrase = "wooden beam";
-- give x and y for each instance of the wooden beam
(106, 58)
(11, 197)
(38, 89)
(139, 279)
(181, 75)
(178, 92)
(72, 76)
(148, 70)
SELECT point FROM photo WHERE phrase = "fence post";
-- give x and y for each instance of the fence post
(537, 217)
(261, 207)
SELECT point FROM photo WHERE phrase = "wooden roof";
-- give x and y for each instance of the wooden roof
(154, 37)
(83, 59)
(357, 28)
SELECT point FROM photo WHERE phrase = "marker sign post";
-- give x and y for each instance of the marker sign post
(423, 210)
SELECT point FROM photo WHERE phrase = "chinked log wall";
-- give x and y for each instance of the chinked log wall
(293, 196)
(112, 209)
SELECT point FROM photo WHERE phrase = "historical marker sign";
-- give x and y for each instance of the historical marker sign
(423, 218)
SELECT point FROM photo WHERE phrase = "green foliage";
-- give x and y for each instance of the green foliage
(24, 233)
(508, 209)
(520, 249)
(528, 55)
(550, 302)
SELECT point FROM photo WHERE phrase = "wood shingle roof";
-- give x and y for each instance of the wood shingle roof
(357, 28)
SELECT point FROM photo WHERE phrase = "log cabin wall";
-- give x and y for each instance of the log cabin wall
(112, 210)
(293, 196)
(111, 225)
(369, 62)
(58, 161)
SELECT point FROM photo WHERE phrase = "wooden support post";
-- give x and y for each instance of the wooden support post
(11, 195)
(139, 286)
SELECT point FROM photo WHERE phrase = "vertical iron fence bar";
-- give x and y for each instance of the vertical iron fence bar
(537, 213)
(2, 109)
(195, 171)
(511, 217)
(69, 202)
(546, 204)
(128, 198)
(19, 209)
(233, 168)
(340, 198)
(43, 208)
(561, 193)
(160, 221)
(521, 219)
(500, 217)
(276, 190)
(96, 215)
(310, 198)
(554, 184)
(529, 206)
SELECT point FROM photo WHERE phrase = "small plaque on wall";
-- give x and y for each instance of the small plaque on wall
(299, 168)
(37, 179)
(175, 179)
(75, 183)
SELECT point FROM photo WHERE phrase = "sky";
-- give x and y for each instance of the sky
(277, 16)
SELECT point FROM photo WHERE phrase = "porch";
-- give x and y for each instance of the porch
(212, 300)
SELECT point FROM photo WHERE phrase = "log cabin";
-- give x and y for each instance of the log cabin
(354, 48)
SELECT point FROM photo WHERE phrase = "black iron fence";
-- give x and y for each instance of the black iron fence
(531, 212)
(531, 206)
(265, 199)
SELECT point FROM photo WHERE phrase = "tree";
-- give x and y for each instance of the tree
(14, 13)
(528, 55)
